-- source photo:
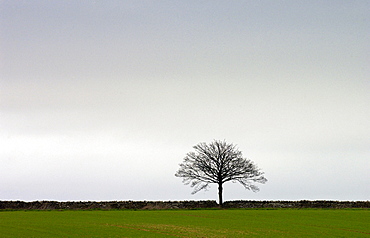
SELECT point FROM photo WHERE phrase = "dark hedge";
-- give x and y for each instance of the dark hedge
(119, 205)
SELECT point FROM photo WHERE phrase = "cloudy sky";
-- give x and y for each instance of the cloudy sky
(101, 100)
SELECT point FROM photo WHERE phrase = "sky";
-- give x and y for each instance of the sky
(102, 100)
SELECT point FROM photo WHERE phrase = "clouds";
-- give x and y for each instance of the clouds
(104, 92)
(93, 40)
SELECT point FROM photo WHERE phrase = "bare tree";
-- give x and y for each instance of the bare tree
(218, 162)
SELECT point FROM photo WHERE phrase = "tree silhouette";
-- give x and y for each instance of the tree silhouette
(218, 162)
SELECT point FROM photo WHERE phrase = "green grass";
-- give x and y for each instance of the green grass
(187, 223)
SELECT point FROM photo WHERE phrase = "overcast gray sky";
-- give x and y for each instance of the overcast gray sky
(101, 100)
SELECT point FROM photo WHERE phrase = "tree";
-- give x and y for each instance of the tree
(218, 162)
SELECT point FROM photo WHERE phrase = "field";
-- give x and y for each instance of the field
(187, 223)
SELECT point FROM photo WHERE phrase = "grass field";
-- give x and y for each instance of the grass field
(187, 223)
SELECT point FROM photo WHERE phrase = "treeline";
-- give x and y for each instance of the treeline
(141, 205)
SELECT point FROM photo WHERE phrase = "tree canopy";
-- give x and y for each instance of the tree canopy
(218, 162)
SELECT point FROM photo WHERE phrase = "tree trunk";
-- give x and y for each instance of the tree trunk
(220, 194)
